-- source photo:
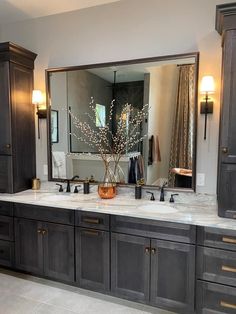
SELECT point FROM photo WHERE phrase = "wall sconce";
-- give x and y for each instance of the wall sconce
(37, 99)
(207, 87)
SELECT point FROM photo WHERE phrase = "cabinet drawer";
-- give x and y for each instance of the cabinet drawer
(218, 238)
(92, 220)
(6, 228)
(6, 253)
(216, 265)
(154, 229)
(214, 298)
(6, 208)
(51, 214)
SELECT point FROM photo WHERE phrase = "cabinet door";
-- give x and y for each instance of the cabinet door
(23, 126)
(58, 241)
(6, 253)
(6, 177)
(228, 114)
(5, 116)
(172, 276)
(28, 246)
(93, 259)
(6, 228)
(130, 267)
(227, 191)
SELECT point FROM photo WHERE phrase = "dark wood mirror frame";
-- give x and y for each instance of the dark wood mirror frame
(194, 55)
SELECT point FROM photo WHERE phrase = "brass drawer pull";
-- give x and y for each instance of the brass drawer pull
(229, 240)
(228, 305)
(91, 220)
(90, 232)
(153, 251)
(229, 269)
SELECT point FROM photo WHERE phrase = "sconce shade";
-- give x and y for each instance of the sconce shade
(207, 85)
(37, 97)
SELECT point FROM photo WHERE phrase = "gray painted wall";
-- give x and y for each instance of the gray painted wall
(79, 98)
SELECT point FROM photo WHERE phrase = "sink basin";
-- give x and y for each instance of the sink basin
(70, 198)
(57, 198)
(158, 208)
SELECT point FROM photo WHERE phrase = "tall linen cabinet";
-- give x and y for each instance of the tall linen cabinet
(226, 26)
(17, 127)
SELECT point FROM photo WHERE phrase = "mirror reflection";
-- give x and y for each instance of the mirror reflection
(164, 90)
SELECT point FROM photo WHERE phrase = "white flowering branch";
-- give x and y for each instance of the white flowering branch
(110, 146)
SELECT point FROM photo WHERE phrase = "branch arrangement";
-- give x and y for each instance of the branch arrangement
(110, 146)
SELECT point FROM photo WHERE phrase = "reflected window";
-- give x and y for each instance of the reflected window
(100, 116)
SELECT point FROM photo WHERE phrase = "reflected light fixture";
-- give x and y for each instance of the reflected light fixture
(37, 100)
(207, 87)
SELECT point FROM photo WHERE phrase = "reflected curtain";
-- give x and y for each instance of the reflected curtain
(183, 127)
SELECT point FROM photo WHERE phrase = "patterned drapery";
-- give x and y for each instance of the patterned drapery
(181, 153)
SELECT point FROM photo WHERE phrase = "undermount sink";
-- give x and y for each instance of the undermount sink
(70, 197)
(158, 208)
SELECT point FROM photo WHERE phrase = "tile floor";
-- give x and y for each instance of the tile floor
(23, 294)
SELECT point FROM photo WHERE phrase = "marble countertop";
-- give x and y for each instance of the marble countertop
(189, 208)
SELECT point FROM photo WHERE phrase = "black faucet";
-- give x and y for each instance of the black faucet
(152, 196)
(68, 183)
(162, 195)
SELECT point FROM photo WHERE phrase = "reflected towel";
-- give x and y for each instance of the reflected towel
(158, 151)
(59, 164)
(150, 150)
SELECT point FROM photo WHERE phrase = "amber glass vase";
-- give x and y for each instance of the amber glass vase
(107, 189)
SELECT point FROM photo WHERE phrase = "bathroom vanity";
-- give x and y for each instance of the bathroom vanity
(184, 253)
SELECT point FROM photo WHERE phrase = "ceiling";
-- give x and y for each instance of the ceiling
(136, 71)
(18, 10)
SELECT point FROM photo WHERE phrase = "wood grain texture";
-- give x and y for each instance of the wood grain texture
(93, 259)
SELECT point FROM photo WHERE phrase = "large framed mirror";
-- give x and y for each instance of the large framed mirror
(167, 152)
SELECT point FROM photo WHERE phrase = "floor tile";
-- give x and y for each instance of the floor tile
(24, 294)
(14, 304)
(50, 309)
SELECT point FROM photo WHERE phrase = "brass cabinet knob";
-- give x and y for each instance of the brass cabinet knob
(39, 231)
(44, 232)
(224, 150)
(8, 145)
(147, 250)
(153, 251)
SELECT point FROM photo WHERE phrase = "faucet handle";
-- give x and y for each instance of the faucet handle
(172, 200)
(152, 196)
(76, 188)
(60, 188)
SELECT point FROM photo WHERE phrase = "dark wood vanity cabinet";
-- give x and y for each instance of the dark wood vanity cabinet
(173, 276)
(130, 267)
(93, 259)
(92, 250)
(17, 140)
(6, 235)
(216, 271)
(226, 26)
(44, 247)
(28, 246)
(152, 270)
